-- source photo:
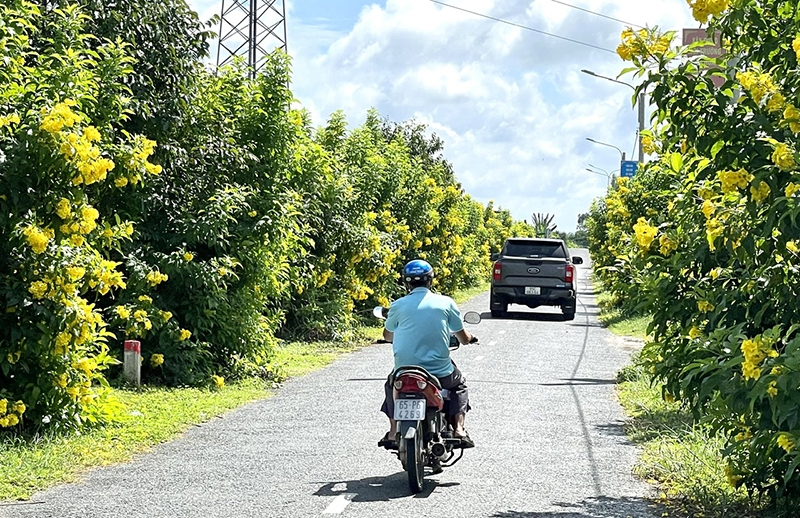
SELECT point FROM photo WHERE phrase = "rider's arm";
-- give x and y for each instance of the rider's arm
(463, 336)
(388, 335)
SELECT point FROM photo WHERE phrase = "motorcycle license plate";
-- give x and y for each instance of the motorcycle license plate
(409, 409)
(533, 290)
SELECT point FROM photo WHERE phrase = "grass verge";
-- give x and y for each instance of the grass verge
(154, 415)
(682, 458)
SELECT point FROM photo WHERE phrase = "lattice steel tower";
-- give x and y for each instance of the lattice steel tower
(251, 29)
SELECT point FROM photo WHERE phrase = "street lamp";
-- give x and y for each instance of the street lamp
(639, 105)
(609, 176)
(621, 152)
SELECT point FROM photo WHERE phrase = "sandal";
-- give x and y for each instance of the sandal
(386, 442)
(466, 441)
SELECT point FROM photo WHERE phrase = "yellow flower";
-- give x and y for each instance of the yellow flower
(140, 315)
(155, 278)
(714, 229)
(19, 407)
(760, 193)
(792, 246)
(792, 116)
(796, 46)
(3, 406)
(219, 381)
(63, 208)
(708, 209)
(705, 306)
(76, 240)
(156, 360)
(786, 441)
(694, 332)
(75, 272)
(791, 189)
(772, 388)
(783, 157)
(38, 289)
(37, 239)
(188, 256)
(123, 312)
(733, 179)
(776, 102)
(185, 334)
(645, 233)
(667, 245)
(91, 134)
(121, 181)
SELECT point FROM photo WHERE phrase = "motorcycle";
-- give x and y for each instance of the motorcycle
(424, 436)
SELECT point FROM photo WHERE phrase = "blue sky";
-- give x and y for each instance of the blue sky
(511, 105)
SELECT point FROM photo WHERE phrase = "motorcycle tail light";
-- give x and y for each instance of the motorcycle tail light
(422, 384)
(398, 384)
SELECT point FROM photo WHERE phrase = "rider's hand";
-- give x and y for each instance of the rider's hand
(473, 339)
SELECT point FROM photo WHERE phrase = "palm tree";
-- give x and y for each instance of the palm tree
(543, 224)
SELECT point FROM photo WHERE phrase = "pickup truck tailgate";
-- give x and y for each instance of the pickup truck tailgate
(545, 272)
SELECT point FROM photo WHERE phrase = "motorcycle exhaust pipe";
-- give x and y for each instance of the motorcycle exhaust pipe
(438, 450)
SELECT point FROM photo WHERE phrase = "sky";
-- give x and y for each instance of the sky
(511, 105)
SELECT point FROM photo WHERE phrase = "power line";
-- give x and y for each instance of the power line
(599, 14)
(524, 27)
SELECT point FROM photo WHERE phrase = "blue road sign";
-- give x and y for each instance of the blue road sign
(627, 168)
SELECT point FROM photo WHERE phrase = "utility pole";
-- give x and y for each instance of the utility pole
(251, 29)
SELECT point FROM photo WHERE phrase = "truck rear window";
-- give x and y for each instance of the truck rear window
(534, 249)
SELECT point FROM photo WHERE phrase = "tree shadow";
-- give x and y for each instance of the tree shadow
(380, 489)
(596, 507)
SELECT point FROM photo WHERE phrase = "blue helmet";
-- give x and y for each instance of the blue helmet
(417, 271)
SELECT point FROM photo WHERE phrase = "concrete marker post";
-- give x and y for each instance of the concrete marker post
(133, 362)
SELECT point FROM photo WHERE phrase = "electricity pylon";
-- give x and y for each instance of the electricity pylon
(251, 29)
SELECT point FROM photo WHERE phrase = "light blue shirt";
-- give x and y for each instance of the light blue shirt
(422, 322)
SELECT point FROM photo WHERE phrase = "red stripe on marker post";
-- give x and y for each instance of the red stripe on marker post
(134, 346)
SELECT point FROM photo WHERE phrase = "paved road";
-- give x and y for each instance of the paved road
(548, 430)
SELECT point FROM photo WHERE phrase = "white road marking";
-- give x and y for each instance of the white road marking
(493, 342)
(478, 358)
(338, 505)
(501, 332)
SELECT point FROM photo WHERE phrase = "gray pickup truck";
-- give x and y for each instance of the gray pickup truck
(534, 272)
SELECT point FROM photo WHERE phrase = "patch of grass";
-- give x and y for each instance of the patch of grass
(154, 415)
(618, 321)
(464, 295)
(683, 458)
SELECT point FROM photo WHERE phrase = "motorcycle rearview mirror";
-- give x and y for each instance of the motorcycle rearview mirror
(472, 317)
(380, 312)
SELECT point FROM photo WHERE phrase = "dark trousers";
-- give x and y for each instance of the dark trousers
(455, 382)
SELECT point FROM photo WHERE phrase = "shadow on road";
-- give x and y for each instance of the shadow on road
(524, 315)
(380, 489)
(581, 381)
(599, 507)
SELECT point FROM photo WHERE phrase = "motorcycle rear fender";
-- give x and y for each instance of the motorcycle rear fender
(408, 429)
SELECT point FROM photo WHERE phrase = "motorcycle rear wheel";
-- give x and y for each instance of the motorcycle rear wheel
(415, 462)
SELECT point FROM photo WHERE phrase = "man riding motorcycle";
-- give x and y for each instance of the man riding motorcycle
(419, 326)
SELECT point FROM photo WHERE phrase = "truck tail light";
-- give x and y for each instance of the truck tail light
(497, 271)
(569, 274)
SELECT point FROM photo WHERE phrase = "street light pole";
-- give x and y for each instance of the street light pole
(621, 152)
(607, 175)
(639, 103)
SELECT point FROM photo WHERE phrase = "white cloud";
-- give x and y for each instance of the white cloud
(511, 105)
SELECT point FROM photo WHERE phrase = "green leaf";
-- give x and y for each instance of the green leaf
(718, 145)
